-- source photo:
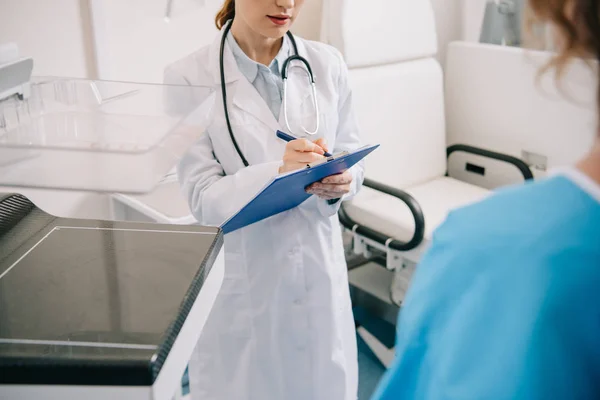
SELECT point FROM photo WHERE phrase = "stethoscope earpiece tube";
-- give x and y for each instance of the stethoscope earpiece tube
(224, 93)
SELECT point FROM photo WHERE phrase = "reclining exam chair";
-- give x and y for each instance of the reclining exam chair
(495, 98)
(398, 97)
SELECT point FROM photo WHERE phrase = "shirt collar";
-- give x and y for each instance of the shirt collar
(249, 67)
(578, 177)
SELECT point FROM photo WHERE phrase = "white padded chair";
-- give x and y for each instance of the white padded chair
(516, 113)
(398, 95)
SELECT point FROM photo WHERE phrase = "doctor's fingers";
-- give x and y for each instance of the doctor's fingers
(333, 190)
(304, 145)
(338, 179)
(325, 195)
(322, 143)
(301, 157)
(336, 189)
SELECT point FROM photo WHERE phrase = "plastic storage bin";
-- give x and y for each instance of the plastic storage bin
(101, 136)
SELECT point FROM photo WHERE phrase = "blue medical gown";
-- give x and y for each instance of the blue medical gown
(506, 304)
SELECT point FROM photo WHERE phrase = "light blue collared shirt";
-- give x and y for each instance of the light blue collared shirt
(266, 80)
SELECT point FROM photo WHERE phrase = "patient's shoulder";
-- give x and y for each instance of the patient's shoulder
(540, 237)
(534, 224)
(531, 210)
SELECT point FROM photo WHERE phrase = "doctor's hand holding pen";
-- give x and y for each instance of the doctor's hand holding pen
(300, 152)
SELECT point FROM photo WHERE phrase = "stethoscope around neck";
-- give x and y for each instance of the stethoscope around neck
(284, 76)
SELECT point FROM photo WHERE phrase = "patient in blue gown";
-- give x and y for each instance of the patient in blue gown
(506, 303)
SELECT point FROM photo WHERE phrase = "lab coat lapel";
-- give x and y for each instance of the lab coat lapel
(232, 73)
(241, 93)
(247, 98)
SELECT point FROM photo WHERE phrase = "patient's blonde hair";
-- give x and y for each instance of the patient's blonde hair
(576, 24)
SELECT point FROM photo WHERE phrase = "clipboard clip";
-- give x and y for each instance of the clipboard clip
(327, 159)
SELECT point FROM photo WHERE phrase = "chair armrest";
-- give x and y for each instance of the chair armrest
(518, 163)
(379, 237)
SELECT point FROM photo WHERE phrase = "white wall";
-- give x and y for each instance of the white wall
(447, 14)
(448, 20)
(308, 24)
(133, 40)
(471, 18)
(54, 32)
(134, 43)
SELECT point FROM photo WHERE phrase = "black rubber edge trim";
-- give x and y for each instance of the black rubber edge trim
(124, 373)
(186, 305)
(379, 237)
(13, 208)
(518, 163)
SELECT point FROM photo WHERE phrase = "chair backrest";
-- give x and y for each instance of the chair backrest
(494, 100)
(397, 84)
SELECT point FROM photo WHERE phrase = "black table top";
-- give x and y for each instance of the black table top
(85, 302)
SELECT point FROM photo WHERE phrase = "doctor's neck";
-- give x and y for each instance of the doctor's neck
(257, 47)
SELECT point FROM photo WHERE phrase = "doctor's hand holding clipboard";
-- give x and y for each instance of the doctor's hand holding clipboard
(300, 152)
(282, 325)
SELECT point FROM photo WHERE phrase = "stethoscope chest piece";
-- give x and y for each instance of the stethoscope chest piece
(313, 87)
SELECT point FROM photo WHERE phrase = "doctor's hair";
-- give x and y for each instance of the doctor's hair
(226, 13)
(576, 29)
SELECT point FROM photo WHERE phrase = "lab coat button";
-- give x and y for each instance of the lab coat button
(298, 302)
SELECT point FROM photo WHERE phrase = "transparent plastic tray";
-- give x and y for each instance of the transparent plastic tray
(101, 136)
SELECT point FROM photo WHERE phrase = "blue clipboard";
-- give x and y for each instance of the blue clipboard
(287, 191)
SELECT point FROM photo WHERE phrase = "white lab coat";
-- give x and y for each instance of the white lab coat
(282, 326)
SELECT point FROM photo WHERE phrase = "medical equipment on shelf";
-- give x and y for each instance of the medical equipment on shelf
(84, 308)
(15, 75)
(92, 135)
(168, 10)
(170, 7)
(284, 76)
(502, 22)
(89, 307)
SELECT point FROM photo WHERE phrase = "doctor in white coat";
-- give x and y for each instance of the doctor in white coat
(282, 326)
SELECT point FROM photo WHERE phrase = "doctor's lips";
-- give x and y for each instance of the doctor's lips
(280, 19)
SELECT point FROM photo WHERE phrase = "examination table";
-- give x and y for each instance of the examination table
(100, 310)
